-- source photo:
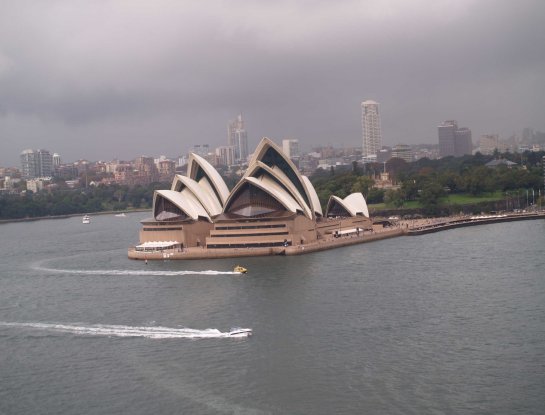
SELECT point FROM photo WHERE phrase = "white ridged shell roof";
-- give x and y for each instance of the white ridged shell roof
(277, 173)
(186, 201)
(354, 204)
(260, 152)
(278, 192)
(211, 173)
(313, 196)
(202, 191)
(357, 203)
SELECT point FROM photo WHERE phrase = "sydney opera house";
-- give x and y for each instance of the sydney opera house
(272, 210)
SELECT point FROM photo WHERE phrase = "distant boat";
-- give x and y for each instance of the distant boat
(240, 269)
(240, 332)
(120, 215)
(86, 219)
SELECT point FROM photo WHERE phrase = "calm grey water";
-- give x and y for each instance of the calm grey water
(447, 323)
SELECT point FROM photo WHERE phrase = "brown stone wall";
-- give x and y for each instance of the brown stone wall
(303, 230)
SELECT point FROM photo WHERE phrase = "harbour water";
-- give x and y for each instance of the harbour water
(446, 323)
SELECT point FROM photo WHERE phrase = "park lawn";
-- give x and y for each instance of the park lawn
(454, 199)
(467, 199)
(411, 204)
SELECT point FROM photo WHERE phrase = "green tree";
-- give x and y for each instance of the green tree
(430, 198)
(394, 198)
(362, 184)
(375, 195)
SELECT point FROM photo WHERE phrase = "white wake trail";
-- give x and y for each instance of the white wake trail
(150, 332)
(134, 272)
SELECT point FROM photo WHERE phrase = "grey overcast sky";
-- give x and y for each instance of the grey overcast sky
(117, 79)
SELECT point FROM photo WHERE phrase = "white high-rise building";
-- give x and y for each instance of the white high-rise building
(238, 138)
(370, 124)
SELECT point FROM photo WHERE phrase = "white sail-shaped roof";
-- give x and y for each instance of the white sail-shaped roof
(267, 185)
(353, 204)
(314, 200)
(270, 186)
(202, 191)
(197, 167)
(259, 168)
(270, 154)
(185, 201)
(357, 204)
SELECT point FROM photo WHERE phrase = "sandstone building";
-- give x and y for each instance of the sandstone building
(271, 208)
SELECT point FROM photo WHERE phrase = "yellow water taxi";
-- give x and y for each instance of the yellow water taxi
(240, 269)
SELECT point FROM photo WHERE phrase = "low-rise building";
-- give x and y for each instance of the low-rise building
(38, 184)
(402, 151)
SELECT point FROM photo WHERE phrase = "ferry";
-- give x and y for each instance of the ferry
(86, 219)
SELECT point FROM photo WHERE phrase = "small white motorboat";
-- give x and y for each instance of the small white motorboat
(86, 219)
(121, 215)
(240, 332)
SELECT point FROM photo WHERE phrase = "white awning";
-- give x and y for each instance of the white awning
(348, 231)
(157, 244)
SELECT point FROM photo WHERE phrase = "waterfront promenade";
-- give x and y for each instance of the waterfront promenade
(423, 226)
(329, 242)
(384, 230)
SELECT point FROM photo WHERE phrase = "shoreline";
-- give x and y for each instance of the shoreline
(71, 215)
(423, 226)
(219, 253)
(401, 228)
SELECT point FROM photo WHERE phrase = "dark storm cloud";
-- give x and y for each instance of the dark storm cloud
(112, 78)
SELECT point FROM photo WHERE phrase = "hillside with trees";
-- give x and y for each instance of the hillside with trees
(63, 201)
(445, 186)
(425, 187)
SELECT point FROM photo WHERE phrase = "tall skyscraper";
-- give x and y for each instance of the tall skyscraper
(238, 138)
(370, 124)
(447, 136)
(36, 163)
(454, 141)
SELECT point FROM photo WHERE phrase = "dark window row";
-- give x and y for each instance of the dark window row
(250, 245)
(161, 229)
(250, 234)
(228, 228)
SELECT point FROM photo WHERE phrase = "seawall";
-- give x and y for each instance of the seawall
(410, 228)
(320, 245)
(442, 224)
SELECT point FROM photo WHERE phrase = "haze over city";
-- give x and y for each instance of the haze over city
(99, 80)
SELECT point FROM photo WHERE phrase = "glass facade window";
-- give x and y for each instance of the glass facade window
(337, 210)
(225, 228)
(252, 201)
(250, 245)
(165, 210)
(240, 235)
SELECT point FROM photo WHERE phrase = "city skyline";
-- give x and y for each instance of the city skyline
(106, 80)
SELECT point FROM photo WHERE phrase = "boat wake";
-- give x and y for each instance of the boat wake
(134, 272)
(150, 332)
